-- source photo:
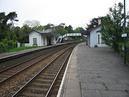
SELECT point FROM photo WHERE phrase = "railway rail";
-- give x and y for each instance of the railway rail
(11, 71)
(11, 61)
(15, 79)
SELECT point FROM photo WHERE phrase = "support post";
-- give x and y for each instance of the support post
(125, 38)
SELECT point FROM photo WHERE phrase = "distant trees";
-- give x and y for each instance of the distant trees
(69, 29)
(38, 28)
(93, 23)
(60, 29)
(79, 30)
(48, 26)
(24, 34)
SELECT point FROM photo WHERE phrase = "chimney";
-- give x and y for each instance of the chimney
(99, 21)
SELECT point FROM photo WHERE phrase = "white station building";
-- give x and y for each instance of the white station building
(94, 38)
(42, 38)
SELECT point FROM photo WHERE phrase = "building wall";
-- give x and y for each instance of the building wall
(42, 39)
(36, 35)
(53, 40)
(88, 40)
(96, 38)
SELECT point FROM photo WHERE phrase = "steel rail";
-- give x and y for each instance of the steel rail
(48, 64)
(49, 91)
(20, 63)
(29, 66)
(5, 79)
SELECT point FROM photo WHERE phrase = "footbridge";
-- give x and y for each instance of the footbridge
(60, 38)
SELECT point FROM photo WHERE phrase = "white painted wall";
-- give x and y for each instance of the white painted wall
(53, 40)
(35, 35)
(44, 39)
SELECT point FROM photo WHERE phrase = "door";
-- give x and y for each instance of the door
(35, 41)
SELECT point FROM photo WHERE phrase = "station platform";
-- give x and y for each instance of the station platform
(95, 72)
(7, 54)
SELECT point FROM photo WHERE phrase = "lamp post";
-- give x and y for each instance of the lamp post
(125, 34)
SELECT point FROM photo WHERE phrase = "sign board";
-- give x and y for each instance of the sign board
(124, 35)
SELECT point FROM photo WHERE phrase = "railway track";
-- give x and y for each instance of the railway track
(15, 69)
(15, 77)
(25, 57)
(43, 82)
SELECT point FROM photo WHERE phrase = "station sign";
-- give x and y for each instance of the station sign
(124, 35)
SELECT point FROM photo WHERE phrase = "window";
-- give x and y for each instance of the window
(35, 41)
(98, 39)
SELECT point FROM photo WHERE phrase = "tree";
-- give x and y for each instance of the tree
(60, 29)
(24, 34)
(7, 36)
(6, 22)
(93, 23)
(38, 28)
(112, 27)
(69, 29)
(48, 26)
(79, 30)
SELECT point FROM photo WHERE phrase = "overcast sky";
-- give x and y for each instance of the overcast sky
(73, 12)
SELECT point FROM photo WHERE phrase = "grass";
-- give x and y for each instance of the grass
(20, 49)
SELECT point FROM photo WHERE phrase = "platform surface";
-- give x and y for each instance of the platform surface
(2, 55)
(96, 72)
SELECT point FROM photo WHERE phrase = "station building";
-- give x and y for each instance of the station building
(42, 38)
(94, 36)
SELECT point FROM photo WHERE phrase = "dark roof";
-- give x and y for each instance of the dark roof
(46, 32)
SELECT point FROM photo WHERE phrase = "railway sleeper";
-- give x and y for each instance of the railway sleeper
(40, 85)
(43, 81)
(31, 95)
(35, 90)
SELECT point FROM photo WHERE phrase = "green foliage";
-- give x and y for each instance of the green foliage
(48, 26)
(93, 23)
(60, 29)
(20, 49)
(5, 45)
(69, 29)
(6, 22)
(79, 30)
(9, 34)
(112, 27)
(39, 28)
(24, 34)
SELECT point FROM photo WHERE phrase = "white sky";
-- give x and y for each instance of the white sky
(74, 12)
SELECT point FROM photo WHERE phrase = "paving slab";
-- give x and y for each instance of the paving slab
(96, 72)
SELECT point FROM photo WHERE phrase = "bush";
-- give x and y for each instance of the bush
(5, 45)
(12, 44)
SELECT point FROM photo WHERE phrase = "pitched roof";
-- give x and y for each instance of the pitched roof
(45, 32)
